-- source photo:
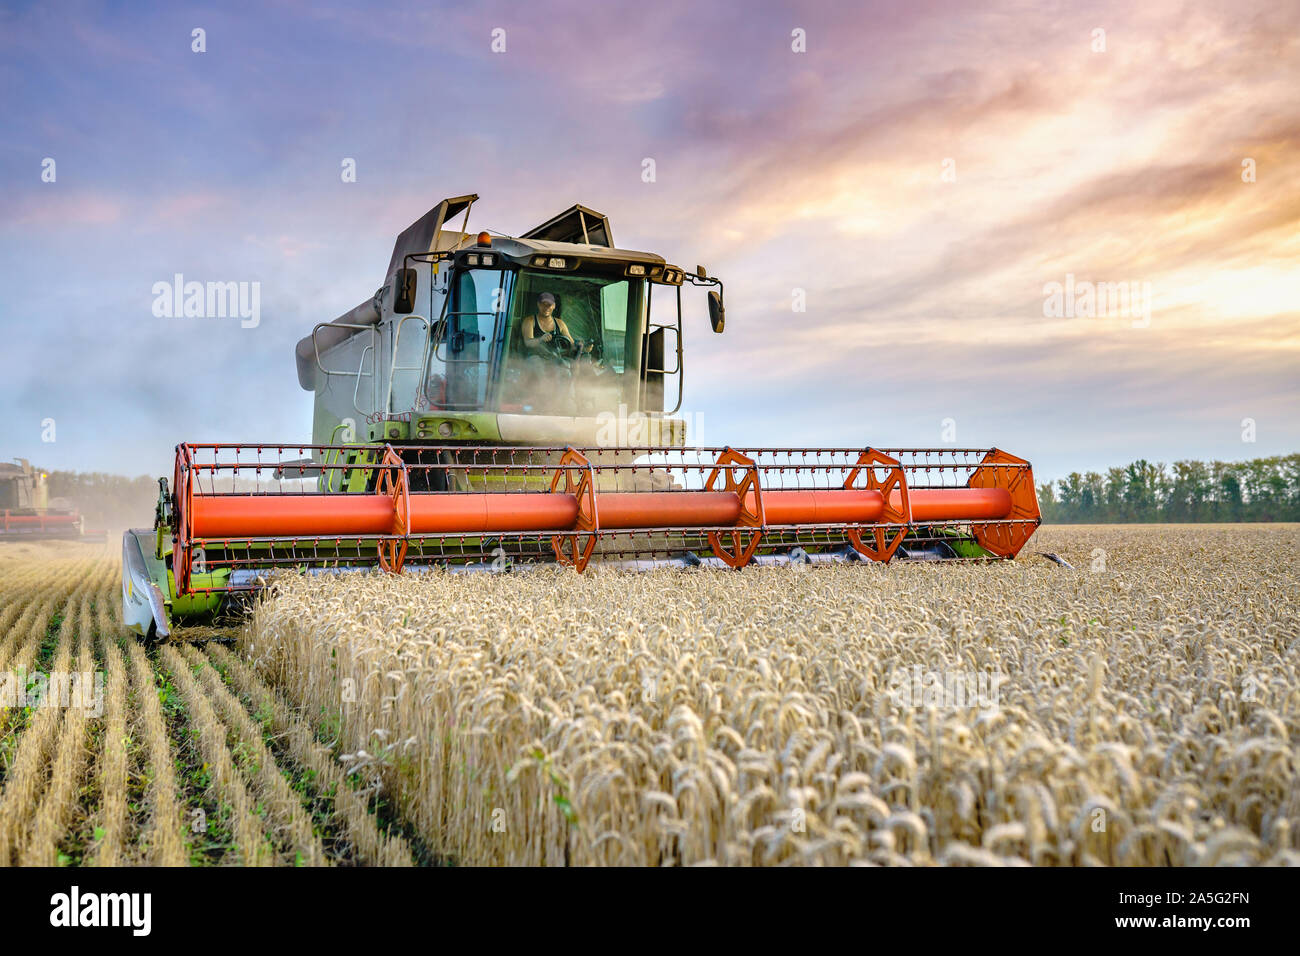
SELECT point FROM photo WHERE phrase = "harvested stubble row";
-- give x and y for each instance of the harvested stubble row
(251, 844)
(162, 841)
(288, 823)
(369, 844)
(171, 764)
(1146, 713)
(23, 620)
(28, 776)
(114, 762)
(68, 769)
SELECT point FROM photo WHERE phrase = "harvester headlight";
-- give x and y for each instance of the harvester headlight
(655, 270)
(539, 260)
(555, 262)
(444, 429)
(489, 260)
(471, 259)
(635, 270)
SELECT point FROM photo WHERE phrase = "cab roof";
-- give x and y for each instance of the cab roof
(522, 249)
(579, 232)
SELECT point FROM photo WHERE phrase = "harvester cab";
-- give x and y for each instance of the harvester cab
(505, 400)
(486, 339)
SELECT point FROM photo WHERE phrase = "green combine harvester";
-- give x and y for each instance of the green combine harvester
(28, 513)
(506, 400)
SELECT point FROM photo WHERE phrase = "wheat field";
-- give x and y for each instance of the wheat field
(1140, 709)
(1145, 712)
(182, 756)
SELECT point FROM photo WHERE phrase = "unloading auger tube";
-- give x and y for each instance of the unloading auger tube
(235, 513)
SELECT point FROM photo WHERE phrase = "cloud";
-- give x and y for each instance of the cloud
(820, 171)
(59, 209)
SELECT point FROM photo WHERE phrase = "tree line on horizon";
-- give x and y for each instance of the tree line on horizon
(1261, 489)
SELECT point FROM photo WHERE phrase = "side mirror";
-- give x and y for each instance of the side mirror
(702, 272)
(717, 314)
(404, 294)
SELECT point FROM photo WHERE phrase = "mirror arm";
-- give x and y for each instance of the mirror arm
(681, 369)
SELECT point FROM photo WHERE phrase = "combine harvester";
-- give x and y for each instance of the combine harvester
(504, 400)
(28, 514)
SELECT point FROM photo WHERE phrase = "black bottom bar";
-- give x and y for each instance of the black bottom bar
(918, 909)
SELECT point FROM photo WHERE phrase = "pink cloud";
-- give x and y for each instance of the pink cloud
(56, 207)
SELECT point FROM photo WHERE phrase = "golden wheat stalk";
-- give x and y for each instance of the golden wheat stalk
(779, 717)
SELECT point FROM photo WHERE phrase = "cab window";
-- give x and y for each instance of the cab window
(600, 369)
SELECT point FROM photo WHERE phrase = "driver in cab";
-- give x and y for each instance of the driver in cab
(544, 331)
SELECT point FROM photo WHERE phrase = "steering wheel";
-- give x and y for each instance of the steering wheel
(562, 347)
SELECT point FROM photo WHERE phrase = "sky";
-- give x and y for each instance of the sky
(891, 192)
